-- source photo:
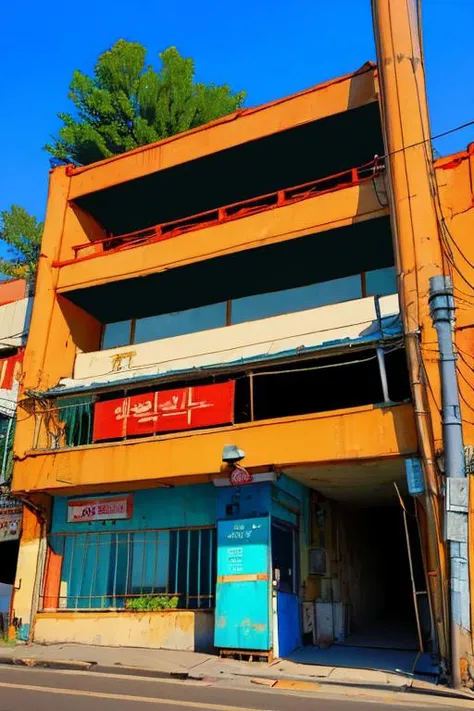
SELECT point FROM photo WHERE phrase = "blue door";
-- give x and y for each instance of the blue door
(289, 626)
(285, 557)
(243, 580)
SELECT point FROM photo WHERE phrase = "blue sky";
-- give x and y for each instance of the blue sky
(269, 48)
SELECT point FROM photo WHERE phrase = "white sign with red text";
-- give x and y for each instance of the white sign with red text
(101, 509)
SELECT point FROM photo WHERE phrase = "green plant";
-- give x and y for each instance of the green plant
(128, 103)
(21, 233)
(152, 603)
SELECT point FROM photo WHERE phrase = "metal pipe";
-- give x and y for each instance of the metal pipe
(252, 402)
(412, 575)
(383, 374)
(442, 313)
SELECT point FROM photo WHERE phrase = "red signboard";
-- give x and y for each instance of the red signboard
(165, 411)
(9, 370)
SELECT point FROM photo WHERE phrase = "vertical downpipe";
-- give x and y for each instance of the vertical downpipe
(442, 313)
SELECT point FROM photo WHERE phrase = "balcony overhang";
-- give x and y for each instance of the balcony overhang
(350, 206)
(341, 436)
(336, 96)
(365, 483)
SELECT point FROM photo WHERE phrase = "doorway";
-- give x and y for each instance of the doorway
(285, 566)
(376, 580)
(9, 559)
(360, 590)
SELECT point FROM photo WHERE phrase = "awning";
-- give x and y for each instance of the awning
(358, 323)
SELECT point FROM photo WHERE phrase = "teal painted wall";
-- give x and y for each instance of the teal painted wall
(296, 491)
(179, 507)
(100, 568)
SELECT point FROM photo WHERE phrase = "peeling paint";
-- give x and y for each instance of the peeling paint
(179, 630)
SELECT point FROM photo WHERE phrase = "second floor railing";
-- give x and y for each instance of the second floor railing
(286, 196)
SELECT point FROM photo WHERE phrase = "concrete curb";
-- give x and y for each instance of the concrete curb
(139, 671)
(47, 663)
(297, 682)
(443, 693)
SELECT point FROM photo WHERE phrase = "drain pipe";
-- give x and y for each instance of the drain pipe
(456, 514)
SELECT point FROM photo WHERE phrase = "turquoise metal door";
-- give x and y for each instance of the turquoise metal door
(242, 590)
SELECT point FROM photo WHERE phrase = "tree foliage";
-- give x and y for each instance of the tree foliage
(126, 104)
(22, 233)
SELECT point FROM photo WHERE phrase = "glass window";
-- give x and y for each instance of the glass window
(105, 570)
(178, 323)
(150, 562)
(381, 282)
(276, 303)
(116, 334)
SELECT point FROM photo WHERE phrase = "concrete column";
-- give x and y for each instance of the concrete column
(28, 575)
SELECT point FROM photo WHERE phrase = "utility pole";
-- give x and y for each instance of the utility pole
(457, 494)
(411, 189)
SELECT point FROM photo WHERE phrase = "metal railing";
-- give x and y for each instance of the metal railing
(131, 570)
(234, 211)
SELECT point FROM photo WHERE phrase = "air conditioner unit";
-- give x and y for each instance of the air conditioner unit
(317, 561)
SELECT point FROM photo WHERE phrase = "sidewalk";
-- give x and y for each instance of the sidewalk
(162, 663)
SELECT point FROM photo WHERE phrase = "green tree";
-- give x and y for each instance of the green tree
(21, 233)
(126, 104)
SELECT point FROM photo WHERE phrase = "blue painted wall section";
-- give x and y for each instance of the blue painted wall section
(180, 507)
(243, 501)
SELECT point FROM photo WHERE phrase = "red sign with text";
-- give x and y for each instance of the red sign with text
(9, 370)
(240, 477)
(165, 411)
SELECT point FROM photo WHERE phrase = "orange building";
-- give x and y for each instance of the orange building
(261, 284)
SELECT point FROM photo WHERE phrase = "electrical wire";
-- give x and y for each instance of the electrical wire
(464, 419)
(315, 367)
(460, 127)
(376, 191)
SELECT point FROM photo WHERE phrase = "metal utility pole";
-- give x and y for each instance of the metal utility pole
(456, 516)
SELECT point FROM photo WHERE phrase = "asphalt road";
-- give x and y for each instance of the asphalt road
(42, 690)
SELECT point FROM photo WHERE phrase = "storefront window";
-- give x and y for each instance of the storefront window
(108, 570)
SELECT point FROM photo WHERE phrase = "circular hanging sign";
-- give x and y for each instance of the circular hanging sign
(240, 476)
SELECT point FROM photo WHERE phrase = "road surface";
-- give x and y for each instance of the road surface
(42, 690)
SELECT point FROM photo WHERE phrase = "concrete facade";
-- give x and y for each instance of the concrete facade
(343, 442)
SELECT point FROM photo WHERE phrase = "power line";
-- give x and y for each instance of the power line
(424, 141)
